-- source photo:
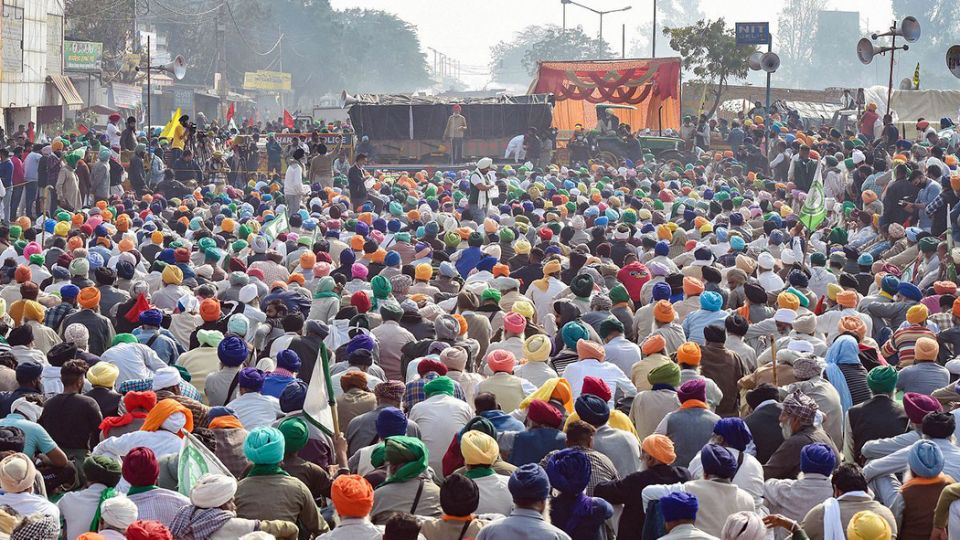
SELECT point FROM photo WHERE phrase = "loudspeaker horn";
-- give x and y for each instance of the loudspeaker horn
(754, 61)
(769, 62)
(177, 67)
(909, 29)
(346, 100)
(866, 50)
(906, 83)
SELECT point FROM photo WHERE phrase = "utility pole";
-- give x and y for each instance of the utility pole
(280, 59)
(623, 41)
(653, 54)
(222, 57)
(134, 36)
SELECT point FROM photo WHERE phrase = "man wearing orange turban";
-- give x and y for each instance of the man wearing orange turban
(161, 432)
(352, 498)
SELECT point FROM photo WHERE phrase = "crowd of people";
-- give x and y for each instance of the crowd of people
(649, 349)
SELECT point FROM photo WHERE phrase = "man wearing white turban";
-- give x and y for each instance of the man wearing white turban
(116, 514)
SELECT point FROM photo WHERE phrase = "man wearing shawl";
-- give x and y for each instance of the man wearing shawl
(270, 493)
(407, 475)
(161, 432)
(211, 514)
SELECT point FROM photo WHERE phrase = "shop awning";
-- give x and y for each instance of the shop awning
(67, 91)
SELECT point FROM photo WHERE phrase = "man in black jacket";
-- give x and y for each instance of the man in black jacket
(879, 417)
(658, 456)
(355, 181)
(764, 421)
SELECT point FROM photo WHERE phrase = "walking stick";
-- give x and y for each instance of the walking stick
(773, 356)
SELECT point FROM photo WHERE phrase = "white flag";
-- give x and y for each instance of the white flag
(195, 461)
(316, 405)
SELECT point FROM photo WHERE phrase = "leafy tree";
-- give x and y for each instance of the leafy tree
(84, 20)
(938, 20)
(516, 61)
(709, 50)
(796, 24)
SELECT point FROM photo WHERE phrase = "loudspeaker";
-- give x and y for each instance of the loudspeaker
(754, 61)
(909, 29)
(866, 50)
(177, 67)
(346, 100)
(769, 62)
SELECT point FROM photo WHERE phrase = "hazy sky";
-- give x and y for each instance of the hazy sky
(466, 29)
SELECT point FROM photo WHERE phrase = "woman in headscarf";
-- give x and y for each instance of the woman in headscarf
(579, 516)
(846, 373)
(211, 514)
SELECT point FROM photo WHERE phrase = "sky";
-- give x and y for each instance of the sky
(466, 29)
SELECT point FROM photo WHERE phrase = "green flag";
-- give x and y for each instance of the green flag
(814, 209)
(196, 460)
(276, 226)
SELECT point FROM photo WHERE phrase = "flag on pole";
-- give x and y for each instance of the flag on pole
(319, 402)
(814, 209)
(916, 77)
(287, 119)
(231, 111)
(276, 226)
(195, 461)
(232, 125)
(82, 129)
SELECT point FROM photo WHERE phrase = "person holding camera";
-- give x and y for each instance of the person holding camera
(180, 135)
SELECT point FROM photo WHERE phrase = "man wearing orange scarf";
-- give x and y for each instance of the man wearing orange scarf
(161, 432)
(691, 426)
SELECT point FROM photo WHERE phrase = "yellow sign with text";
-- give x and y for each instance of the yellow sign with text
(267, 80)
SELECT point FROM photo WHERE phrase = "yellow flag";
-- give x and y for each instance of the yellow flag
(916, 77)
(167, 132)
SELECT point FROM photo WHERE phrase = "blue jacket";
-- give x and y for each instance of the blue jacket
(531, 446)
(502, 421)
(273, 384)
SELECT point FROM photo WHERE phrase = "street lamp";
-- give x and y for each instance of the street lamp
(601, 13)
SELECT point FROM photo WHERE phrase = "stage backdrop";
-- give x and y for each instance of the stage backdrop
(646, 84)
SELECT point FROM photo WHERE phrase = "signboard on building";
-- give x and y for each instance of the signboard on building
(267, 80)
(82, 55)
(127, 96)
(753, 33)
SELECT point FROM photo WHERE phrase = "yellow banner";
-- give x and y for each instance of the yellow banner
(267, 80)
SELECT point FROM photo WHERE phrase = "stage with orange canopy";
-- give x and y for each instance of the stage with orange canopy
(646, 84)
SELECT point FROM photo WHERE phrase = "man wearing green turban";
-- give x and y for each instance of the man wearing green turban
(381, 289)
(408, 487)
(269, 492)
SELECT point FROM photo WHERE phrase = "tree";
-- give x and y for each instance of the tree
(938, 19)
(516, 61)
(85, 21)
(796, 24)
(710, 51)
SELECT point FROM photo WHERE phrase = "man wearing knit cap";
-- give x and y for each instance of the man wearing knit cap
(253, 408)
(878, 418)
(651, 406)
(689, 357)
(363, 430)
(79, 508)
(439, 417)
(725, 498)
(268, 492)
(797, 423)
(530, 488)
(850, 499)
(794, 498)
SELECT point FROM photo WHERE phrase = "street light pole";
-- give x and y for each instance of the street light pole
(653, 53)
(601, 13)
